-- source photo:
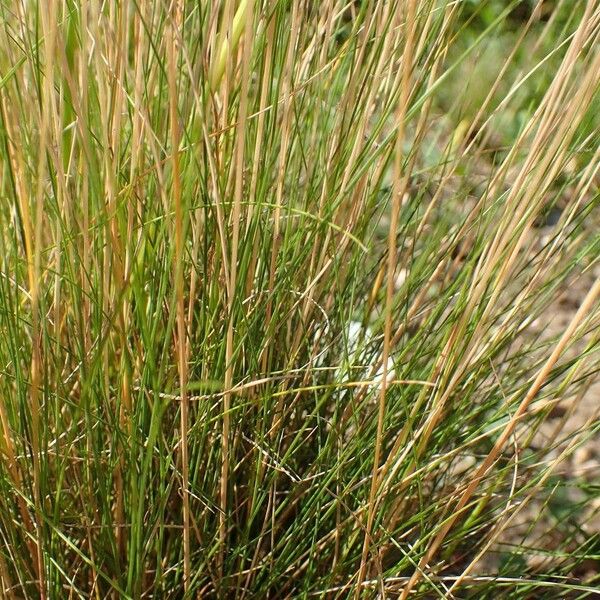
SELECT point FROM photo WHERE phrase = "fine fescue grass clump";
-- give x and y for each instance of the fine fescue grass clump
(274, 281)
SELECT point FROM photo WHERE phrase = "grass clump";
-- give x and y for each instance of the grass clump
(274, 286)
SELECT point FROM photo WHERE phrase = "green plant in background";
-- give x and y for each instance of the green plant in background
(271, 279)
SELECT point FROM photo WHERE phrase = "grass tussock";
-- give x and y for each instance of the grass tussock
(274, 281)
